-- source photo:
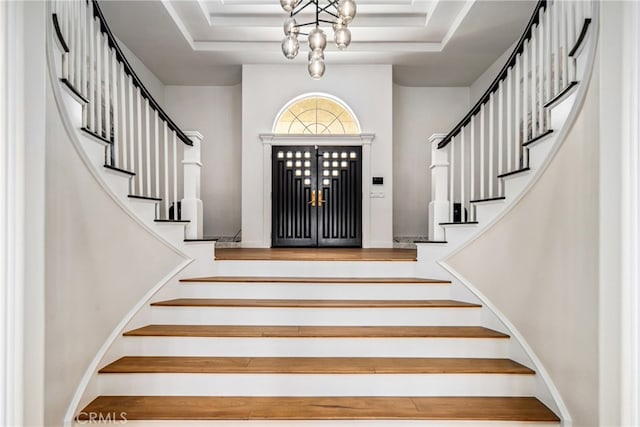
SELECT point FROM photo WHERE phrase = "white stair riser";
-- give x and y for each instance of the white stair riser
(117, 183)
(143, 208)
(173, 232)
(486, 212)
(316, 269)
(311, 347)
(327, 423)
(539, 152)
(316, 384)
(308, 291)
(315, 316)
(516, 183)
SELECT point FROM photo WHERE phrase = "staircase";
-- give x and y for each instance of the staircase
(332, 349)
(300, 338)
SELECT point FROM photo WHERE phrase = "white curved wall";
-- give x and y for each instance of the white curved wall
(99, 264)
(539, 265)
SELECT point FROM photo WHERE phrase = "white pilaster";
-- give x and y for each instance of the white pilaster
(439, 204)
(191, 203)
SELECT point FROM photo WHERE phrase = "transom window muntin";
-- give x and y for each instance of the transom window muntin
(316, 115)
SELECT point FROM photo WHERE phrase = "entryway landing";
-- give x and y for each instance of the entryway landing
(316, 254)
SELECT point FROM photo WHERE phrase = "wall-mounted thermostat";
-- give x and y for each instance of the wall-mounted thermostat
(378, 180)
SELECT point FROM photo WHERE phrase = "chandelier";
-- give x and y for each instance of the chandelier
(338, 13)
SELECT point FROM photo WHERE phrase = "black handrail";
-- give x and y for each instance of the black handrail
(535, 18)
(104, 27)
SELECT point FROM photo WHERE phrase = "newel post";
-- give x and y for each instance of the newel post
(191, 205)
(439, 204)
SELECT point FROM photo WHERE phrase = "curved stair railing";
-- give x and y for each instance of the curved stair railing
(117, 109)
(492, 141)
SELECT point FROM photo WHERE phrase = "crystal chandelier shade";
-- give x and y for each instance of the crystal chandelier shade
(338, 13)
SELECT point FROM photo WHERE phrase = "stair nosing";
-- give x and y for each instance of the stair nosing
(317, 280)
(312, 303)
(233, 331)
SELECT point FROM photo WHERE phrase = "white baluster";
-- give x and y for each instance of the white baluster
(138, 141)
(156, 148)
(472, 159)
(510, 81)
(517, 116)
(500, 133)
(124, 142)
(540, 81)
(63, 23)
(440, 205)
(115, 104)
(107, 92)
(565, 44)
(71, 42)
(482, 159)
(147, 133)
(91, 122)
(557, 74)
(533, 90)
(452, 161)
(462, 176)
(83, 56)
(99, 56)
(77, 17)
(572, 38)
(131, 140)
(525, 99)
(166, 170)
(492, 142)
(175, 176)
(548, 57)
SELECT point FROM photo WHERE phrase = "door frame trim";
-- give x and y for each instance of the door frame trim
(363, 140)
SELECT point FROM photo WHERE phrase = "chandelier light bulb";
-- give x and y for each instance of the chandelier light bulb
(347, 10)
(317, 39)
(338, 24)
(290, 46)
(316, 54)
(290, 27)
(288, 5)
(316, 68)
(342, 37)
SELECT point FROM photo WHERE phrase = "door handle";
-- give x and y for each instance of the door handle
(312, 202)
(320, 199)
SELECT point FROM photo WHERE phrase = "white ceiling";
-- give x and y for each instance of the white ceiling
(429, 42)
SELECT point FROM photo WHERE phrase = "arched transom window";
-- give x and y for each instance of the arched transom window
(316, 115)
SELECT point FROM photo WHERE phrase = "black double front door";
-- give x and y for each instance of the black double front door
(316, 196)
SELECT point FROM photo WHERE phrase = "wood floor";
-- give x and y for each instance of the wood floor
(316, 254)
(316, 331)
(321, 408)
(314, 365)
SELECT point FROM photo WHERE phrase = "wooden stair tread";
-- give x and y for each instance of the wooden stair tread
(314, 365)
(316, 331)
(309, 303)
(315, 254)
(321, 408)
(342, 280)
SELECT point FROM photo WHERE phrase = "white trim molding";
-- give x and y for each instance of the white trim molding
(270, 139)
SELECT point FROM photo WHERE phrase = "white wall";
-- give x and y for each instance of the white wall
(99, 263)
(215, 112)
(149, 80)
(481, 84)
(367, 89)
(419, 112)
(539, 265)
